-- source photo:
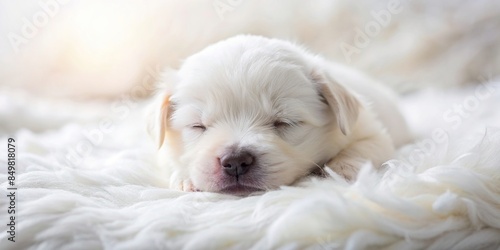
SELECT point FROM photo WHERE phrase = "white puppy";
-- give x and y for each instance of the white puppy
(251, 113)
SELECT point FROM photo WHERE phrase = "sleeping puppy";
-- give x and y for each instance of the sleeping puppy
(251, 113)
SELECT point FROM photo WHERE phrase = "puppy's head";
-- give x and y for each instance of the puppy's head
(251, 113)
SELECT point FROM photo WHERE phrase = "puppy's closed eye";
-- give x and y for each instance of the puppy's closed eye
(282, 124)
(198, 126)
(283, 128)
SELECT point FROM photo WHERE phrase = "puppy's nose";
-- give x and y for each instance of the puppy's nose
(235, 164)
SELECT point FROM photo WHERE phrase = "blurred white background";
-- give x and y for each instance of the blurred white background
(105, 49)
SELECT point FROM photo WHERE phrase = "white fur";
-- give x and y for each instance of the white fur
(238, 88)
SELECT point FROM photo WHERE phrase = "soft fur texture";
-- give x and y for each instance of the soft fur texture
(272, 112)
(449, 199)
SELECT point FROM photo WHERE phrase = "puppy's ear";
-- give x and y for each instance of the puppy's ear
(163, 119)
(344, 105)
(160, 109)
(158, 118)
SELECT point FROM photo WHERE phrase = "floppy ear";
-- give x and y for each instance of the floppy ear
(160, 108)
(163, 117)
(344, 105)
(158, 118)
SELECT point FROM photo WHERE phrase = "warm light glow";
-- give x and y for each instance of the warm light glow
(101, 35)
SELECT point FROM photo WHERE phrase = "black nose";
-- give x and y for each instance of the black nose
(236, 164)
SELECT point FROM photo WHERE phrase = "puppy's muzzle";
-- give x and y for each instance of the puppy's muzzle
(237, 163)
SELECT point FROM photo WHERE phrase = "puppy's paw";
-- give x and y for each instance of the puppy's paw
(346, 168)
(185, 185)
(182, 183)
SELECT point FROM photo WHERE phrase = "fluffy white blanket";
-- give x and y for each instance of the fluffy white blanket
(85, 187)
